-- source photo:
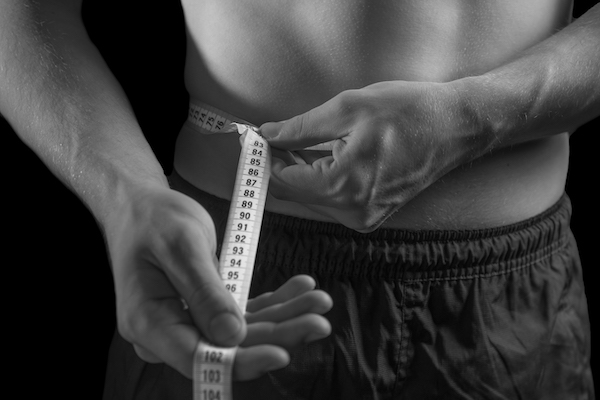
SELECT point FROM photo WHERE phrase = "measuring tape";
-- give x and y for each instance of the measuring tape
(213, 365)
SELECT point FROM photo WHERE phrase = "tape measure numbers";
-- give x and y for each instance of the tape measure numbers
(245, 215)
(213, 365)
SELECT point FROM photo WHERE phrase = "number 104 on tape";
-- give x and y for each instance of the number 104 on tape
(213, 365)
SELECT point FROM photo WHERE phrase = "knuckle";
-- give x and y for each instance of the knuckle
(351, 193)
(208, 299)
(297, 127)
(178, 240)
(134, 325)
(201, 296)
(178, 218)
(348, 101)
(183, 240)
(356, 105)
(303, 124)
(145, 355)
(131, 328)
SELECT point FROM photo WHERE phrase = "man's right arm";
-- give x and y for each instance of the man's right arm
(64, 103)
(62, 100)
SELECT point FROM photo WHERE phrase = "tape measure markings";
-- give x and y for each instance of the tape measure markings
(245, 215)
(209, 119)
(213, 365)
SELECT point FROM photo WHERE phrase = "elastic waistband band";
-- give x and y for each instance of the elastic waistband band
(398, 253)
(413, 255)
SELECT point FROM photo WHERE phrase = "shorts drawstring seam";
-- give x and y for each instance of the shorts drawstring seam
(552, 249)
(342, 269)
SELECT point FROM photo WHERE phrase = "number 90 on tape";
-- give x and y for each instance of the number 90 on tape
(213, 365)
(245, 215)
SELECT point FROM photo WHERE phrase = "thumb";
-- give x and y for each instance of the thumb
(309, 131)
(220, 321)
(214, 310)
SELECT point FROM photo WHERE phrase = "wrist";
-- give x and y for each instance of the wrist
(123, 193)
(471, 131)
(499, 109)
(549, 89)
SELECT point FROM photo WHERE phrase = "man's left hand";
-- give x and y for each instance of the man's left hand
(391, 140)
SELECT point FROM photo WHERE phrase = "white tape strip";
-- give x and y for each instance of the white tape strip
(213, 365)
(211, 120)
(213, 372)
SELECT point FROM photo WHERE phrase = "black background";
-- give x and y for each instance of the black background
(59, 300)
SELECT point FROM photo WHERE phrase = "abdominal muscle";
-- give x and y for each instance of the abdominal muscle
(270, 63)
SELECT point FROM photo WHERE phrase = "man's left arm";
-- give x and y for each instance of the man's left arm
(553, 87)
(391, 140)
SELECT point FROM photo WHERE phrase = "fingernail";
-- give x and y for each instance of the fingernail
(276, 365)
(225, 327)
(317, 335)
(270, 130)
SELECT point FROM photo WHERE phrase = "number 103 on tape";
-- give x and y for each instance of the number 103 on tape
(213, 365)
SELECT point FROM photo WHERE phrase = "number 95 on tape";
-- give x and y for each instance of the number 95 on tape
(213, 365)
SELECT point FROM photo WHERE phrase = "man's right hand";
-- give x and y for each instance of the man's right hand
(162, 246)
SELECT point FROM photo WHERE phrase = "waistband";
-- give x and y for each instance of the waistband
(316, 246)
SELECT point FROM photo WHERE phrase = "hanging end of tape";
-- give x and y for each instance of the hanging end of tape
(240, 128)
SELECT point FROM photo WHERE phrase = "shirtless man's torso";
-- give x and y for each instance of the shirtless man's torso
(451, 122)
(268, 62)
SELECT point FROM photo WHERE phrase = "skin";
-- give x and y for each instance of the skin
(394, 66)
(464, 107)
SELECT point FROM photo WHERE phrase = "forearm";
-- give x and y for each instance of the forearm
(553, 87)
(62, 100)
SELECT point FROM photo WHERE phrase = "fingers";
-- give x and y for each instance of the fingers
(216, 313)
(298, 182)
(264, 349)
(253, 362)
(289, 316)
(305, 130)
(172, 256)
(164, 332)
(315, 301)
(288, 334)
(267, 344)
(310, 156)
(193, 270)
(292, 323)
(146, 355)
(182, 264)
(294, 287)
(281, 321)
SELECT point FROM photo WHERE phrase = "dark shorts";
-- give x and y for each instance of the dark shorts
(485, 314)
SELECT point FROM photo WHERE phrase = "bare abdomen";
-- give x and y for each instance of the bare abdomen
(270, 63)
